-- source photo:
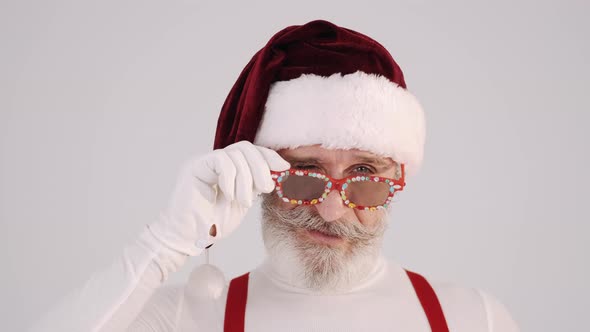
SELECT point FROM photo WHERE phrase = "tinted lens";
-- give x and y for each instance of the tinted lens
(367, 193)
(303, 187)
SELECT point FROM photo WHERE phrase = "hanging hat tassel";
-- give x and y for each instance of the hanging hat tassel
(200, 302)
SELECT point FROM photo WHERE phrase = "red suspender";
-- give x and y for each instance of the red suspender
(235, 308)
(429, 302)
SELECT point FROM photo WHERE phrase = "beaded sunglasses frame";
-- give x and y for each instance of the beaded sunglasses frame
(395, 185)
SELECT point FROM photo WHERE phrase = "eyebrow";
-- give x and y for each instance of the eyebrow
(375, 161)
(378, 162)
(308, 160)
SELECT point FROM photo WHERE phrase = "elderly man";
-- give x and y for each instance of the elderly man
(320, 124)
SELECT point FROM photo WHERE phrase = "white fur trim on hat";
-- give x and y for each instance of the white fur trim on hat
(355, 111)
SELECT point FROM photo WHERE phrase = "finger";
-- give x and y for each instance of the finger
(243, 179)
(259, 167)
(187, 181)
(221, 164)
(274, 160)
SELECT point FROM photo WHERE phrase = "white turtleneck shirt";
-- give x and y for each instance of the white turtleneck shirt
(129, 296)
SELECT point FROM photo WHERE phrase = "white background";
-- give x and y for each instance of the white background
(101, 102)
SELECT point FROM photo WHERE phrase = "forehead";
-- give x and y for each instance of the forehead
(327, 156)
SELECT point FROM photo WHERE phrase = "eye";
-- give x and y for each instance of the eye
(363, 169)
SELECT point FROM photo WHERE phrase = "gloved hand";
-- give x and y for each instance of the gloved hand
(215, 189)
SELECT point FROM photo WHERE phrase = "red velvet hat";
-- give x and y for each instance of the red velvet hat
(322, 84)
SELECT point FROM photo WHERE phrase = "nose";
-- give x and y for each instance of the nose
(332, 207)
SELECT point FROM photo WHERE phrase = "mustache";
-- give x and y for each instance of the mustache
(306, 217)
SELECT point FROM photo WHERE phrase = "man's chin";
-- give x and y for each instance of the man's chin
(321, 264)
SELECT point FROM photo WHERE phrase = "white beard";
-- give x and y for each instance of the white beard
(321, 268)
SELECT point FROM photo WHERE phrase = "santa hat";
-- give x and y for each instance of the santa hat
(322, 84)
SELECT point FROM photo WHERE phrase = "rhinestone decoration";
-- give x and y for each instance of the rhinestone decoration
(342, 185)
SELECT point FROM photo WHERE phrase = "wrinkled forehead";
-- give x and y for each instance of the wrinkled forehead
(321, 155)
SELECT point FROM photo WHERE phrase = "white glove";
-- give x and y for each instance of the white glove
(215, 189)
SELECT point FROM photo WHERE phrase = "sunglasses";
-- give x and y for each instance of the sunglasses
(362, 192)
